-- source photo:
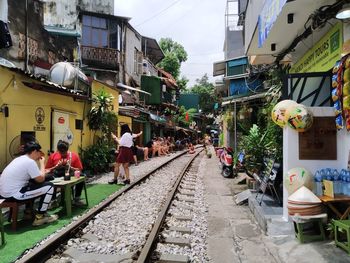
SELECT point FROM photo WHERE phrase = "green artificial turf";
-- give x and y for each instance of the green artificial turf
(27, 236)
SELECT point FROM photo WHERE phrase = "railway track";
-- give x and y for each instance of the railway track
(82, 240)
(171, 238)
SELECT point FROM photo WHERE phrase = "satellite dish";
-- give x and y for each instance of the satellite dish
(120, 99)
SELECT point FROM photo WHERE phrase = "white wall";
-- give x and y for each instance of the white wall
(291, 152)
(133, 40)
(251, 20)
(64, 13)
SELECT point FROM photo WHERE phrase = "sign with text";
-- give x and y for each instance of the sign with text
(320, 141)
(322, 56)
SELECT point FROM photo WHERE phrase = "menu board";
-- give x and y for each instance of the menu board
(320, 141)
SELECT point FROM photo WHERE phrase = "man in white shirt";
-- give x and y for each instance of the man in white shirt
(22, 179)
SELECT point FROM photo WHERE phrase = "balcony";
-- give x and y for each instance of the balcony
(148, 68)
(106, 58)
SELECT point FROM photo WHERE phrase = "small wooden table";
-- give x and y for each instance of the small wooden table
(66, 187)
(329, 201)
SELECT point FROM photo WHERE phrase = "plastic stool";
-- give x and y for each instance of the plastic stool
(302, 234)
(14, 207)
(344, 225)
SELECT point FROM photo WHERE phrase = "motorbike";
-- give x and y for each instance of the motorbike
(226, 161)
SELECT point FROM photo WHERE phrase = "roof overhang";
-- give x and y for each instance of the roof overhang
(282, 34)
(219, 68)
(112, 17)
(120, 85)
(152, 50)
(157, 118)
(242, 98)
(60, 31)
(42, 84)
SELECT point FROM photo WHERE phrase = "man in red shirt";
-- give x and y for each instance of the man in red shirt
(57, 164)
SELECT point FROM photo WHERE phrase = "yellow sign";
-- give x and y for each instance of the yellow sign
(322, 56)
(328, 188)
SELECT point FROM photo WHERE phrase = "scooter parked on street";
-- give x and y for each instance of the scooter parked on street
(226, 161)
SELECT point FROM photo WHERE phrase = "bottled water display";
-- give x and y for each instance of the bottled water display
(341, 180)
(318, 183)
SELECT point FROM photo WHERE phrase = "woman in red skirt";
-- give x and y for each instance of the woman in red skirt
(125, 155)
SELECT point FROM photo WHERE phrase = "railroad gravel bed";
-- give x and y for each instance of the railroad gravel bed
(138, 171)
(123, 226)
(198, 225)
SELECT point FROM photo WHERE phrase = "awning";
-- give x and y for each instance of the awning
(152, 50)
(60, 31)
(157, 118)
(121, 85)
(184, 130)
(130, 111)
(242, 98)
(219, 68)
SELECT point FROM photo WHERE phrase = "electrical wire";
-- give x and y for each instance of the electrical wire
(159, 13)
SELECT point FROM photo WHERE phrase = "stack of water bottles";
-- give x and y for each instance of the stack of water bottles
(341, 181)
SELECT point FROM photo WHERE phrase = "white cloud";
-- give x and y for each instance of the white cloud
(198, 25)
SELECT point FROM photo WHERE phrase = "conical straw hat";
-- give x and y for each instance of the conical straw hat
(303, 196)
(302, 206)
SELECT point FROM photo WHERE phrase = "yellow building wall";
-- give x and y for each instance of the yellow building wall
(23, 103)
(124, 120)
(95, 86)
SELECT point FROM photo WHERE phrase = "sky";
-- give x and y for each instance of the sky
(198, 25)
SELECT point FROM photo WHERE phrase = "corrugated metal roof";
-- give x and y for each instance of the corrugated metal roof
(46, 85)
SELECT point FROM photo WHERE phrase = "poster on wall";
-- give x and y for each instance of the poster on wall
(320, 141)
(61, 129)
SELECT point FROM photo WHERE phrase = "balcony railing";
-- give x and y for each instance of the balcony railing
(101, 57)
(148, 68)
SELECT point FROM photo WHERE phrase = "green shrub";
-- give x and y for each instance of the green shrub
(97, 157)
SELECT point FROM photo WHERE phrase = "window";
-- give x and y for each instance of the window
(138, 58)
(115, 31)
(100, 32)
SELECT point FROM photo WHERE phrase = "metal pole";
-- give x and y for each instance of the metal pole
(235, 125)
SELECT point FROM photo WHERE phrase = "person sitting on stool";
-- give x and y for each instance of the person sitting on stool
(22, 179)
(56, 165)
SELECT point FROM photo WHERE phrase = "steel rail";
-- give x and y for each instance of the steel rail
(45, 251)
(153, 236)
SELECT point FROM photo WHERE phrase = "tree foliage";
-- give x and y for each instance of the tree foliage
(182, 83)
(174, 54)
(101, 116)
(205, 90)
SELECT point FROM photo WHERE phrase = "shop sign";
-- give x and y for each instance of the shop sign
(320, 141)
(322, 56)
(267, 17)
(39, 118)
